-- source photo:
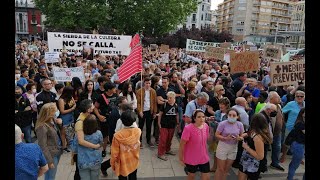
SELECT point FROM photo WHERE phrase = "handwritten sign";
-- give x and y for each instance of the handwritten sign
(287, 73)
(164, 58)
(198, 46)
(272, 52)
(164, 48)
(51, 57)
(225, 45)
(66, 74)
(187, 73)
(244, 61)
(217, 53)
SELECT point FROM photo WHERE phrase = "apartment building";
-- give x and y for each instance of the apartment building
(254, 20)
(298, 24)
(201, 18)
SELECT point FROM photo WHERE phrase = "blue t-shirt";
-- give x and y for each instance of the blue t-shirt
(28, 158)
(23, 81)
(255, 91)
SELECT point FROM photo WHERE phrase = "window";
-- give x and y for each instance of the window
(33, 18)
(20, 22)
(202, 7)
(193, 17)
(202, 17)
(193, 26)
(242, 8)
(240, 23)
(242, 1)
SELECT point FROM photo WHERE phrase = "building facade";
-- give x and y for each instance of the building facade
(298, 24)
(255, 20)
(201, 18)
(28, 20)
(214, 18)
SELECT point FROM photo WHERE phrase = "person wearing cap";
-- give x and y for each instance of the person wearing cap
(102, 110)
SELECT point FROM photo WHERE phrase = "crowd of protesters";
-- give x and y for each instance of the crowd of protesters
(233, 118)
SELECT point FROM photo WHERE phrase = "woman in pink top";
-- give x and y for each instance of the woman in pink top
(229, 132)
(193, 153)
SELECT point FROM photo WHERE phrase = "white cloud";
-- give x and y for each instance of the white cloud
(214, 4)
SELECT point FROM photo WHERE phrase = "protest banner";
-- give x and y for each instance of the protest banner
(103, 44)
(244, 61)
(153, 49)
(33, 48)
(226, 57)
(272, 52)
(287, 73)
(51, 57)
(198, 46)
(164, 58)
(187, 73)
(66, 74)
(164, 48)
(253, 48)
(225, 45)
(217, 53)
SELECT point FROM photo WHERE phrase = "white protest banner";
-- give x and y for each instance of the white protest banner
(244, 61)
(103, 44)
(33, 48)
(253, 48)
(51, 57)
(164, 58)
(66, 74)
(287, 73)
(226, 57)
(198, 46)
(189, 72)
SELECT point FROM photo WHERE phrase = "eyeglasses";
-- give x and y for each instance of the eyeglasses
(300, 96)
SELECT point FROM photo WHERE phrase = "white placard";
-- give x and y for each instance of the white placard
(164, 58)
(66, 74)
(253, 48)
(187, 73)
(198, 46)
(51, 57)
(227, 57)
(103, 44)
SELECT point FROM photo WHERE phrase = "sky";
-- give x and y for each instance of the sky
(214, 4)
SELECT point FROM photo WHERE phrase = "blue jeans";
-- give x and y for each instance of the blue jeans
(297, 150)
(276, 149)
(27, 133)
(51, 173)
(90, 173)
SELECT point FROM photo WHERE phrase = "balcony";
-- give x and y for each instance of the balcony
(34, 22)
(255, 11)
(256, 4)
(280, 7)
(22, 31)
(280, 14)
(193, 20)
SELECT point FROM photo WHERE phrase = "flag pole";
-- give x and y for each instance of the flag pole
(141, 70)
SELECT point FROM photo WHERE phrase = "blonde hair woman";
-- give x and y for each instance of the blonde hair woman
(49, 139)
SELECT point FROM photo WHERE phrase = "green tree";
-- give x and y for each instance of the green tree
(71, 15)
(153, 17)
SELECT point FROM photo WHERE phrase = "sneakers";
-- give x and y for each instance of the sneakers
(277, 167)
(163, 158)
(104, 153)
(171, 153)
(151, 144)
(66, 149)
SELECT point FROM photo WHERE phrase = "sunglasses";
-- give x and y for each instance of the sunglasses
(300, 96)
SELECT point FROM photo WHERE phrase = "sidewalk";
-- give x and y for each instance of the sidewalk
(153, 168)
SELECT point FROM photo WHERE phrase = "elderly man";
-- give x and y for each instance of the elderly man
(30, 162)
(199, 103)
(240, 106)
(277, 123)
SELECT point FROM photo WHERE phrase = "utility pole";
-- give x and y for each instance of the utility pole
(275, 37)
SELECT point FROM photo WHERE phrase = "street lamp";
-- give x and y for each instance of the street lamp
(39, 25)
(275, 37)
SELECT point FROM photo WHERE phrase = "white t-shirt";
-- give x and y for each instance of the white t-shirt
(146, 105)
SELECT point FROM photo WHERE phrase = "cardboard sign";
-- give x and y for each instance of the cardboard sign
(253, 48)
(244, 61)
(51, 57)
(187, 73)
(66, 74)
(287, 73)
(225, 45)
(164, 48)
(272, 52)
(217, 53)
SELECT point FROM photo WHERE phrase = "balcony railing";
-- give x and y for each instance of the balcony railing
(22, 31)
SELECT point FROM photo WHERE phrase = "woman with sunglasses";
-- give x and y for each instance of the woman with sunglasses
(193, 152)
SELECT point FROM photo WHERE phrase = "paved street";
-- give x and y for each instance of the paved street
(153, 168)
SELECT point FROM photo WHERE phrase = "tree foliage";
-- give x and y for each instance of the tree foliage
(153, 17)
(179, 38)
(71, 15)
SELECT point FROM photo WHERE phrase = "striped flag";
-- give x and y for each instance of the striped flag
(131, 65)
(135, 40)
